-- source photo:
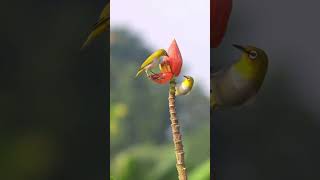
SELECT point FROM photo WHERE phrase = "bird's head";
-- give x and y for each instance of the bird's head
(163, 52)
(253, 62)
(188, 81)
(252, 54)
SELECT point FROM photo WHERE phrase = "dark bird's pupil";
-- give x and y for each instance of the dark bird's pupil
(253, 54)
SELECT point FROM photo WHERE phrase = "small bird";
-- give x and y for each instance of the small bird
(152, 61)
(185, 87)
(101, 26)
(239, 83)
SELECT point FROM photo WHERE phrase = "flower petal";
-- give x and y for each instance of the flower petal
(220, 12)
(174, 58)
(165, 66)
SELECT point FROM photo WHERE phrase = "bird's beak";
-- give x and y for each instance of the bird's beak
(240, 48)
(186, 77)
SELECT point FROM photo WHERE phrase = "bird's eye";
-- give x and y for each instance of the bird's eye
(253, 54)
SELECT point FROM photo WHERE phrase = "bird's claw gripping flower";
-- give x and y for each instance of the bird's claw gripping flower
(170, 67)
(160, 77)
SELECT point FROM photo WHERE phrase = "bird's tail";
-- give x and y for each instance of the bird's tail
(213, 102)
(97, 29)
(139, 72)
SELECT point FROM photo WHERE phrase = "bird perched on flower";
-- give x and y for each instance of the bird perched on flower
(169, 67)
(99, 27)
(152, 61)
(240, 82)
(185, 87)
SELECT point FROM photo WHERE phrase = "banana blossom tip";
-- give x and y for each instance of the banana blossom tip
(170, 67)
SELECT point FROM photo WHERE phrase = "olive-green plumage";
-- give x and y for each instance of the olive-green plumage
(240, 82)
(101, 26)
(185, 87)
(152, 61)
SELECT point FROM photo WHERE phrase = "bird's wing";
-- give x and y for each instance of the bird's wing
(139, 72)
(217, 81)
(149, 60)
(105, 12)
(98, 29)
(101, 26)
(144, 64)
(104, 17)
(217, 77)
(219, 73)
(102, 22)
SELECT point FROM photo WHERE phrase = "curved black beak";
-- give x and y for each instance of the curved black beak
(240, 48)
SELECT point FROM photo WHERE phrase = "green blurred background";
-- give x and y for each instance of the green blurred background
(140, 133)
(53, 100)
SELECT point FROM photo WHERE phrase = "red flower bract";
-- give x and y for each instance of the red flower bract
(220, 12)
(162, 78)
(174, 58)
(170, 66)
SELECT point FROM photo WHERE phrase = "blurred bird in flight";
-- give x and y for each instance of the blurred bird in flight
(99, 27)
(185, 87)
(152, 61)
(239, 83)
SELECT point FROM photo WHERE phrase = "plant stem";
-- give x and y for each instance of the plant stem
(176, 135)
(214, 143)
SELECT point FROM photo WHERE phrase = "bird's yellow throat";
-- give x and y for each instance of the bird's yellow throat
(187, 83)
(250, 69)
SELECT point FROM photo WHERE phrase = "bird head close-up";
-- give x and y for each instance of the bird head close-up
(253, 62)
(188, 81)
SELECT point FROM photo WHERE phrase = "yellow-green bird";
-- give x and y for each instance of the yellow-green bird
(152, 61)
(185, 87)
(239, 83)
(101, 26)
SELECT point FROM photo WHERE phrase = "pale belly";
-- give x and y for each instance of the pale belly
(182, 90)
(232, 90)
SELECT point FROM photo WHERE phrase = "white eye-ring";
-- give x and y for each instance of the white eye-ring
(253, 54)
